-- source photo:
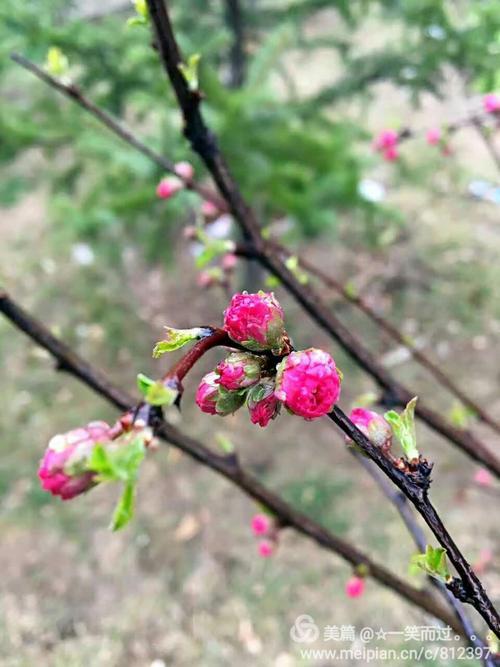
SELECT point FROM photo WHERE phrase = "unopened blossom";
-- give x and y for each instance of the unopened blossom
(256, 321)
(433, 136)
(262, 403)
(168, 186)
(205, 279)
(185, 170)
(229, 261)
(483, 477)
(63, 469)
(239, 370)
(308, 383)
(214, 399)
(355, 587)
(390, 154)
(386, 139)
(209, 209)
(373, 425)
(491, 103)
(261, 525)
(207, 393)
(266, 548)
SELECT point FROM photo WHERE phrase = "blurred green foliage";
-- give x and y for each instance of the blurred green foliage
(292, 156)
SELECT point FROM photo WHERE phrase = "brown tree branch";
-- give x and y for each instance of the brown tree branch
(399, 501)
(463, 439)
(70, 362)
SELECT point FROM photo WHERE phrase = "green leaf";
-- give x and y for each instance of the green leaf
(159, 394)
(177, 338)
(56, 64)
(119, 462)
(212, 250)
(225, 443)
(189, 71)
(124, 510)
(460, 415)
(403, 427)
(292, 264)
(433, 562)
(144, 383)
(155, 392)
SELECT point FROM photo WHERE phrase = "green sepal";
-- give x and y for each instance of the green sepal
(118, 463)
(403, 427)
(229, 401)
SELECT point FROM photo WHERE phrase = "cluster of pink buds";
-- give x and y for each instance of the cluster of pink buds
(267, 374)
(170, 185)
(265, 529)
(63, 469)
(387, 143)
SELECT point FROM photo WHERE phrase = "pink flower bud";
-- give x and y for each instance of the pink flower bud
(215, 400)
(262, 403)
(390, 154)
(256, 321)
(205, 279)
(209, 209)
(433, 136)
(185, 170)
(239, 370)
(373, 425)
(483, 477)
(190, 233)
(308, 383)
(207, 393)
(266, 548)
(386, 139)
(63, 468)
(167, 187)
(229, 261)
(261, 524)
(491, 103)
(355, 587)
